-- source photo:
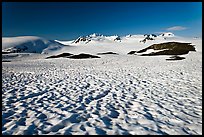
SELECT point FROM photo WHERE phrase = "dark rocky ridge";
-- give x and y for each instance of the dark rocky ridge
(82, 56)
(60, 55)
(117, 38)
(72, 56)
(148, 37)
(82, 39)
(176, 58)
(169, 48)
(105, 53)
(131, 52)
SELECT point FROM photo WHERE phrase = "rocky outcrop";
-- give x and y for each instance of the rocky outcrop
(176, 58)
(83, 39)
(105, 53)
(169, 48)
(148, 37)
(83, 56)
(131, 52)
(60, 55)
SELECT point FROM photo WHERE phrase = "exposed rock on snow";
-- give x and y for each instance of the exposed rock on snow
(128, 36)
(169, 48)
(69, 55)
(176, 58)
(83, 56)
(60, 55)
(82, 39)
(148, 37)
(107, 53)
(132, 52)
(117, 38)
(167, 34)
(89, 38)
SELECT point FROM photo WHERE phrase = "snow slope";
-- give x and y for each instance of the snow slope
(113, 95)
(29, 44)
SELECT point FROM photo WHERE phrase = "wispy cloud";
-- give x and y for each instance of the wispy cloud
(160, 32)
(176, 28)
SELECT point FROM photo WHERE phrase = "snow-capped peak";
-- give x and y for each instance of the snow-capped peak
(99, 38)
(94, 35)
(128, 36)
(167, 34)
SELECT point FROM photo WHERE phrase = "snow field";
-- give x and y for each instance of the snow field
(111, 95)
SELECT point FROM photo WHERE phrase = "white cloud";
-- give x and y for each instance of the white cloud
(176, 28)
(160, 32)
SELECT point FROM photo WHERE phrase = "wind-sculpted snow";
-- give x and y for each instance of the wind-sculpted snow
(29, 44)
(112, 95)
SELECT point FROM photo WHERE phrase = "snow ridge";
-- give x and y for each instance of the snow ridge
(29, 44)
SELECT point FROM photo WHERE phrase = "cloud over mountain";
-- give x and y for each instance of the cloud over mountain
(176, 28)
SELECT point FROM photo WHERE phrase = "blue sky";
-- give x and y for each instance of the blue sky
(69, 20)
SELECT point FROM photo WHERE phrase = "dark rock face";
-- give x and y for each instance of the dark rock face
(168, 34)
(131, 52)
(82, 39)
(69, 55)
(154, 35)
(169, 48)
(173, 46)
(83, 56)
(60, 55)
(175, 58)
(117, 38)
(107, 53)
(148, 37)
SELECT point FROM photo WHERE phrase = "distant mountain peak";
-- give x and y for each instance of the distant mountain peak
(167, 34)
(148, 37)
(128, 36)
(81, 39)
(116, 38)
(95, 35)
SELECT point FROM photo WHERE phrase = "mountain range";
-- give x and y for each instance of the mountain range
(34, 44)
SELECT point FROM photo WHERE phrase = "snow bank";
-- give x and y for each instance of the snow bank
(29, 44)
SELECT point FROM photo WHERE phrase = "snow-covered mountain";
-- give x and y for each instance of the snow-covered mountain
(94, 43)
(29, 44)
(97, 43)
(93, 38)
(167, 34)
